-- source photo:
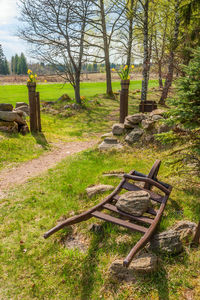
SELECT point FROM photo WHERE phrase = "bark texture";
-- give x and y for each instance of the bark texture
(106, 50)
(169, 77)
(146, 53)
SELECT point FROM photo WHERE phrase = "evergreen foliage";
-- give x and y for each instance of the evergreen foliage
(19, 64)
(4, 68)
(186, 107)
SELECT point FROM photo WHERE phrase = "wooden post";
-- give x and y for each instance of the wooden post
(38, 111)
(196, 239)
(124, 100)
(32, 103)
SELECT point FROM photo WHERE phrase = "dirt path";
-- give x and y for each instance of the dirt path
(20, 174)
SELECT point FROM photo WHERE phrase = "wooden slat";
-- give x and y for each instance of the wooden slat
(151, 211)
(131, 187)
(117, 221)
(131, 217)
(116, 197)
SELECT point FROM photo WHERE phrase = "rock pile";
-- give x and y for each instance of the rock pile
(138, 127)
(14, 120)
(141, 125)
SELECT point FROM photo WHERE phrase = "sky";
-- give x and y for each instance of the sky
(8, 29)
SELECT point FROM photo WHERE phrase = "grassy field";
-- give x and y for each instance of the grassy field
(51, 92)
(34, 268)
(86, 124)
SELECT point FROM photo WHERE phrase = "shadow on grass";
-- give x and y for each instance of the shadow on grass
(89, 266)
(41, 140)
(160, 283)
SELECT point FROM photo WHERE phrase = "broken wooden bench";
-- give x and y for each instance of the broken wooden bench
(134, 223)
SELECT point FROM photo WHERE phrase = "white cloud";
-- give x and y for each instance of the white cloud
(8, 29)
(8, 11)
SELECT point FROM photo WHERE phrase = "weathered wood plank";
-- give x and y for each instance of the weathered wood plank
(117, 221)
(131, 217)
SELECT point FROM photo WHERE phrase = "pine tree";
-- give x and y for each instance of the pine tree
(186, 107)
(13, 65)
(16, 64)
(23, 62)
(19, 68)
(1, 60)
(6, 67)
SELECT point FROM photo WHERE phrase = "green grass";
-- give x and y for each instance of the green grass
(51, 92)
(83, 125)
(34, 268)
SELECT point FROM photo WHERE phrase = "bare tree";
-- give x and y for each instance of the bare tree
(146, 59)
(104, 25)
(173, 47)
(123, 42)
(56, 29)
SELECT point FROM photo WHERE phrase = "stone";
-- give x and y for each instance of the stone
(114, 174)
(164, 128)
(148, 124)
(24, 108)
(111, 140)
(120, 272)
(11, 127)
(19, 104)
(107, 146)
(24, 129)
(109, 143)
(6, 107)
(118, 129)
(129, 125)
(156, 117)
(109, 134)
(97, 228)
(134, 135)
(136, 118)
(134, 202)
(22, 114)
(149, 138)
(167, 242)
(67, 106)
(64, 98)
(186, 229)
(97, 189)
(157, 112)
(11, 116)
(75, 106)
(145, 263)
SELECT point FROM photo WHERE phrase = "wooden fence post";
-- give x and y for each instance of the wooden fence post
(124, 100)
(32, 103)
(39, 128)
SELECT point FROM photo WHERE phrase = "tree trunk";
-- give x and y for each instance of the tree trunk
(106, 51)
(160, 74)
(77, 89)
(130, 33)
(169, 78)
(146, 53)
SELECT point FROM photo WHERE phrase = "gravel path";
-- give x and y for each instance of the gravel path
(20, 174)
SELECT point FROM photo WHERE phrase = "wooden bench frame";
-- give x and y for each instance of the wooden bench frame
(153, 216)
